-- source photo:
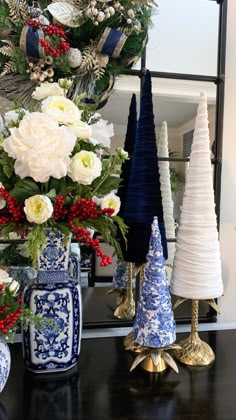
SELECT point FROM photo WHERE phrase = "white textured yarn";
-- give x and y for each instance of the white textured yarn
(167, 202)
(197, 267)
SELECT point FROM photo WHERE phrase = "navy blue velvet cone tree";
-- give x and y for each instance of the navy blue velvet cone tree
(143, 198)
(128, 147)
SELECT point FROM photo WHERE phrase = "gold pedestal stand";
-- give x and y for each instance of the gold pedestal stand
(194, 351)
(151, 359)
(126, 309)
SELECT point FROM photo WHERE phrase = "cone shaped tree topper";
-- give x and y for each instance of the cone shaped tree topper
(154, 324)
(143, 199)
(120, 274)
(197, 266)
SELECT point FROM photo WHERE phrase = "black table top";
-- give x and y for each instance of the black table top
(102, 388)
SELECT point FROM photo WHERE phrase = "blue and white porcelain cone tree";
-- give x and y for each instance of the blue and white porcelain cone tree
(57, 298)
(197, 265)
(154, 329)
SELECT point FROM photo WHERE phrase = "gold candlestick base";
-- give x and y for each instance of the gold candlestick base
(194, 351)
(126, 309)
(152, 359)
(129, 340)
(149, 366)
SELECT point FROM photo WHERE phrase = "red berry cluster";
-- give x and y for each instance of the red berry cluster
(34, 23)
(83, 235)
(51, 30)
(8, 319)
(13, 212)
(62, 47)
(86, 208)
(55, 30)
(59, 211)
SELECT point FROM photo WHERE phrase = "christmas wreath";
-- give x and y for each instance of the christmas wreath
(88, 41)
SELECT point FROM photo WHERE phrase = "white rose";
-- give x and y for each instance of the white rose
(2, 202)
(41, 148)
(81, 130)
(101, 133)
(6, 280)
(38, 209)
(12, 117)
(61, 110)
(84, 167)
(47, 89)
(112, 201)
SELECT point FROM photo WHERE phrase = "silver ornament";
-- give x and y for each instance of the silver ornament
(75, 57)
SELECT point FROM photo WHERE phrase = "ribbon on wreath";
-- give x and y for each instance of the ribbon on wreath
(30, 42)
(111, 42)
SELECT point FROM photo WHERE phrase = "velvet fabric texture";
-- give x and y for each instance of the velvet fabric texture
(142, 201)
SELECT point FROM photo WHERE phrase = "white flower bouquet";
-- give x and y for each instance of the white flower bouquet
(55, 171)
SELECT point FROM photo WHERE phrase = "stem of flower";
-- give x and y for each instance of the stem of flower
(106, 175)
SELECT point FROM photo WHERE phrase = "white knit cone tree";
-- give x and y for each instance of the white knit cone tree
(197, 267)
(167, 202)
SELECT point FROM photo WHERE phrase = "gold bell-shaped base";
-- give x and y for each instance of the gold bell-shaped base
(194, 351)
(148, 365)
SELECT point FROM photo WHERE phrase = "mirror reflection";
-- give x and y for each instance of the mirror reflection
(194, 26)
(175, 101)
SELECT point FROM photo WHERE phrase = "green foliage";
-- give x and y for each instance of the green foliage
(25, 188)
(11, 256)
(8, 228)
(108, 184)
(176, 180)
(107, 228)
(122, 226)
(19, 61)
(6, 166)
(36, 241)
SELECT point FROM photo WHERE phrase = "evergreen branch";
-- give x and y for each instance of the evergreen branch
(36, 241)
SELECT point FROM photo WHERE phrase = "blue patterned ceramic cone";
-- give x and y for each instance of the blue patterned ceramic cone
(143, 198)
(197, 266)
(154, 325)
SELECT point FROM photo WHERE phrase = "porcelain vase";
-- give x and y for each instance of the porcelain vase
(55, 296)
(5, 363)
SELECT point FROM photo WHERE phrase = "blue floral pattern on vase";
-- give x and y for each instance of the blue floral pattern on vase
(55, 296)
(5, 363)
(154, 325)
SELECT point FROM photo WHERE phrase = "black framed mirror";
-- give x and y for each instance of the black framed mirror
(185, 54)
(176, 88)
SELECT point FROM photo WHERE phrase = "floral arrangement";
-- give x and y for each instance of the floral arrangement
(55, 171)
(88, 41)
(11, 310)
